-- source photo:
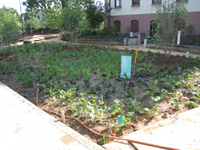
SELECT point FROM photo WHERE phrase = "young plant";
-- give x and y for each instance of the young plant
(92, 91)
(128, 94)
(87, 82)
(87, 74)
(149, 113)
(37, 57)
(98, 73)
(27, 78)
(191, 104)
(135, 105)
(107, 94)
(118, 106)
(108, 73)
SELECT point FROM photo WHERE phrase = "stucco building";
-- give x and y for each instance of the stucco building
(140, 13)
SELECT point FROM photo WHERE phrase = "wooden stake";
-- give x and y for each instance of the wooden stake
(135, 61)
(63, 116)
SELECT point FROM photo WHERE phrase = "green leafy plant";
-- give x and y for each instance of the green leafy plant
(37, 57)
(92, 91)
(128, 94)
(135, 105)
(31, 67)
(98, 73)
(149, 113)
(26, 78)
(108, 73)
(117, 107)
(191, 104)
(87, 74)
(87, 82)
(107, 94)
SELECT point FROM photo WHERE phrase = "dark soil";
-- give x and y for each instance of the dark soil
(162, 61)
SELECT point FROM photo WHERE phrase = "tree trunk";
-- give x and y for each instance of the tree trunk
(7, 37)
(170, 50)
(63, 2)
(31, 26)
(8, 49)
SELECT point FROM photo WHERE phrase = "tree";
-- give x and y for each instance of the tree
(32, 24)
(52, 18)
(31, 21)
(43, 4)
(72, 16)
(8, 26)
(169, 16)
(96, 14)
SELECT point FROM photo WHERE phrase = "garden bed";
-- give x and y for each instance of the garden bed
(112, 42)
(83, 81)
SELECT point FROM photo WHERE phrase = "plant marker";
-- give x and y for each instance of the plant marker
(120, 120)
(135, 61)
(126, 66)
(63, 116)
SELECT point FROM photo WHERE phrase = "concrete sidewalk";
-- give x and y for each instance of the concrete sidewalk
(181, 131)
(23, 126)
(141, 47)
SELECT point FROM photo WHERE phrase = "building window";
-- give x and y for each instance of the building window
(181, 1)
(135, 2)
(135, 25)
(118, 25)
(156, 1)
(118, 3)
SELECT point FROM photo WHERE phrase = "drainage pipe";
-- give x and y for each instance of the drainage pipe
(110, 137)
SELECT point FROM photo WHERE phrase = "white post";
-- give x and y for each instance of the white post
(145, 42)
(179, 38)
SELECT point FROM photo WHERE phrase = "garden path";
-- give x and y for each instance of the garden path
(141, 47)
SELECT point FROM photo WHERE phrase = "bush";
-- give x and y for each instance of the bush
(85, 33)
(34, 23)
(190, 37)
(66, 36)
(110, 30)
(107, 32)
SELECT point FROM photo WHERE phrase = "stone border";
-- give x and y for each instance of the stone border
(180, 48)
(100, 41)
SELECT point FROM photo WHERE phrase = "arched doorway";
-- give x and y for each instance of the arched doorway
(118, 25)
(135, 25)
(152, 28)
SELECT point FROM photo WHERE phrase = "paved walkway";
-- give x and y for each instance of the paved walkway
(23, 126)
(141, 47)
